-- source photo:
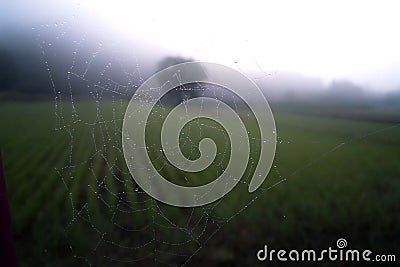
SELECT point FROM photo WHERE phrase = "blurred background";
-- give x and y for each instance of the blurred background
(330, 72)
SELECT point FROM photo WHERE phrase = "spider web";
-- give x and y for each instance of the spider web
(109, 219)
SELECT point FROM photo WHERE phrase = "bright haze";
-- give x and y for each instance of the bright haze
(336, 40)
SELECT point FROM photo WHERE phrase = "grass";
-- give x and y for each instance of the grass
(72, 196)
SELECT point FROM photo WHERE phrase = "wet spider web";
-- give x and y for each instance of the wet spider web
(109, 219)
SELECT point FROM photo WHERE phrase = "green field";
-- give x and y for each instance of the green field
(74, 203)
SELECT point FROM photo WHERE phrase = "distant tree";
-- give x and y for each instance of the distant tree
(22, 72)
(8, 71)
(393, 98)
(182, 92)
(170, 61)
(345, 91)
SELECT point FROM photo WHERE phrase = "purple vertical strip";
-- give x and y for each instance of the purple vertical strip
(8, 257)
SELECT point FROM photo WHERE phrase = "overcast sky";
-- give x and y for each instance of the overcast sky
(355, 40)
